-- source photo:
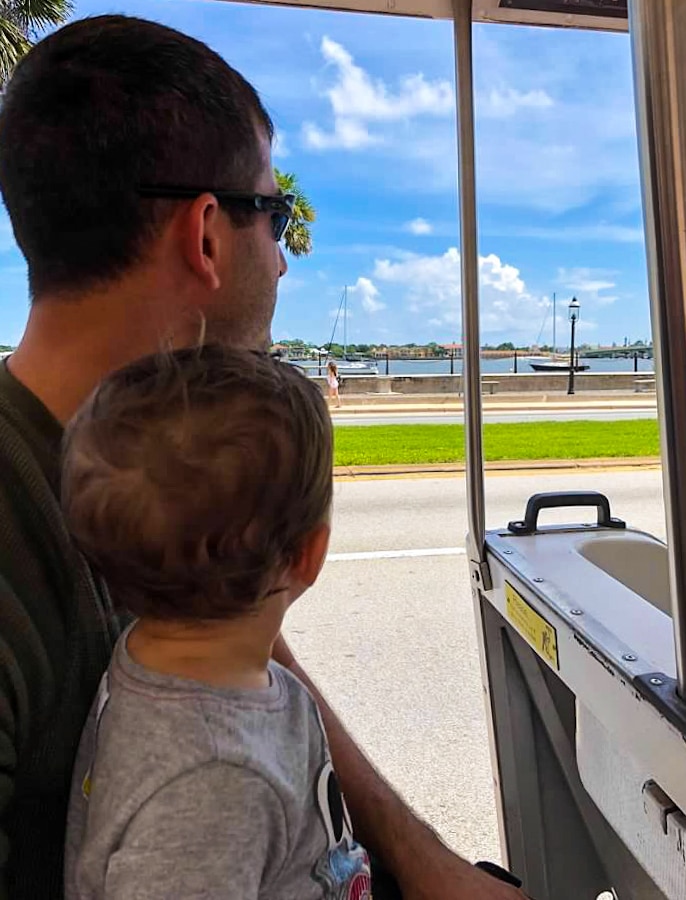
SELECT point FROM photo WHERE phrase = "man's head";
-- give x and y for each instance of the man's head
(107, 105)
(199, 483)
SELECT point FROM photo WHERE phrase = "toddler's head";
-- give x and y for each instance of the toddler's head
(193, 480)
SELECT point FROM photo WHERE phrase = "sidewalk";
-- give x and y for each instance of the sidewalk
(378, 404)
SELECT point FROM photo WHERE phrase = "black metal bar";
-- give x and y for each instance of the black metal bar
(570, 389)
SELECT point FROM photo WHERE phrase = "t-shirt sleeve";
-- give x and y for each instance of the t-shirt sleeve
(217, 833)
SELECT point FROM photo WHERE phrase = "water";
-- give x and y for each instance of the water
(501, 366)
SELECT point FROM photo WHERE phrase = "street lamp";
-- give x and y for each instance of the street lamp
(574, 313)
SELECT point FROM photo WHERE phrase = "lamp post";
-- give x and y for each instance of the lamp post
(574, 313)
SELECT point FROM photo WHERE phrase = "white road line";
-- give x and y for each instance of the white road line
(395, 554)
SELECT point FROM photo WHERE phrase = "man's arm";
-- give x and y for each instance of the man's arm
(421, 863)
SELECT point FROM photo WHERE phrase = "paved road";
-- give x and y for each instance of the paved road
(438, 418)
(391, 638)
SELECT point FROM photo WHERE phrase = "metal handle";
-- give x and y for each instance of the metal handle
(558, 499)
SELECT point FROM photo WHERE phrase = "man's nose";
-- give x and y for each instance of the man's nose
(283, 265)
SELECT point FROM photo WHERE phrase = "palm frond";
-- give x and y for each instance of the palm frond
(20, 23)
(13, 45)
(31, 16)
(298, 238)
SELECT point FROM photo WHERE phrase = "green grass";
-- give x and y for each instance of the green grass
(359, 445)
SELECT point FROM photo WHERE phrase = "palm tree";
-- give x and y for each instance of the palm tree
(20, 22)
(298, 237)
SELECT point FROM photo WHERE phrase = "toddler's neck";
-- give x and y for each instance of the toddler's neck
(223, 654)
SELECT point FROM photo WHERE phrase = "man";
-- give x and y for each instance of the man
(136, 169)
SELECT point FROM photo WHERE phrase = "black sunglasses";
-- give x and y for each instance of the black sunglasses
(279, 207)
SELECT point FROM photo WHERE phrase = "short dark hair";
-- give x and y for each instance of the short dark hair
(191, 480)
(96, 109)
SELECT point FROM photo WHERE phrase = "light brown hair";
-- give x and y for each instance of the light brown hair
(191, 479)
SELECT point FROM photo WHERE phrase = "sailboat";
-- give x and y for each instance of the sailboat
(551, 363)
(348, 365)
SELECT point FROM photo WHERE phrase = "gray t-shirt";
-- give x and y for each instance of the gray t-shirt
(184, 791)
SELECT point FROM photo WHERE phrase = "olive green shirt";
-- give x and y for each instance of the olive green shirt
(57, 632)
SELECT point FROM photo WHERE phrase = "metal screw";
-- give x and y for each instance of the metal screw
(656, 681)
(508, 552)
(629, 657)
(577, 612)
(538, 580)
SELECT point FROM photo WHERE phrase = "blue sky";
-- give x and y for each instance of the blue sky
(364, 108)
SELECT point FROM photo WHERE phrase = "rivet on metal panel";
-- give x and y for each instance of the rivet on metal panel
(508, 552)
(657, 682)
(538, 580)
(577, 612)
(629, 657)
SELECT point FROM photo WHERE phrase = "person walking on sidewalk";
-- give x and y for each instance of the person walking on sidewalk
(333, 381)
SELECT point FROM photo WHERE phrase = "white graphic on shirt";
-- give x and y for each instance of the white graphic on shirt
(103, 697)
(343, 870)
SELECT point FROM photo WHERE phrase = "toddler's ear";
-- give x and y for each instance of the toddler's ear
(308, 564)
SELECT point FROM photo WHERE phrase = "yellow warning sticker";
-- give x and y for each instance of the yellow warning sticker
(532, 626)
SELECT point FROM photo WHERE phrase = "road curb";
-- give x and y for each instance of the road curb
(506, 466)
(453, 409)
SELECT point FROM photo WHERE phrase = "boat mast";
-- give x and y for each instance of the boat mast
(345, 322)
(554, 326)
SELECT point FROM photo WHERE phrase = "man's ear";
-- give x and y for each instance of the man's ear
(200, 238)
(308, 563)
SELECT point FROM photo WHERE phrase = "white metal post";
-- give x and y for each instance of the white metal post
(471, 365)
(658, 31)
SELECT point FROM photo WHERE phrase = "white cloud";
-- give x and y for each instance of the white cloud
(347, 134)
(541, 143)
(341, 314)
(589, 284)
(7, 242)
(356, 95)
(499, 103)
(368, 293)
(291, 285)
(357, 99)
(280, 148)
(430, 288)
(616, 234)
(419, 226)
